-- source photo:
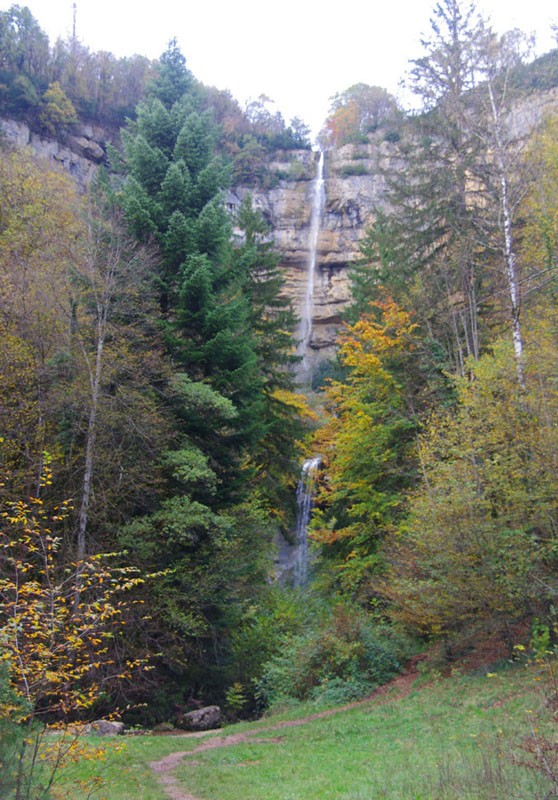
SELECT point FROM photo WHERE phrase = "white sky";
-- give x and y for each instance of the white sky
(297, 52)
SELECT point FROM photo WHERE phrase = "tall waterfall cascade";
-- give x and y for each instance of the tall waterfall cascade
(304, 498)
(306, 314)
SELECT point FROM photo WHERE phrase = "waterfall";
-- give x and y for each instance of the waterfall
(304, 499)
(305, 327)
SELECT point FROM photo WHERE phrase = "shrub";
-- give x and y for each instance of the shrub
(57, 112)
(348, 170)
(261, 637)
(392, 136)
(59, 627)
(342, 660)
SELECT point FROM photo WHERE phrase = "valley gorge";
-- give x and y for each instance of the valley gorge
(272, 380)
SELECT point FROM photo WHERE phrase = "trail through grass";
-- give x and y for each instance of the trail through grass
(456, 738)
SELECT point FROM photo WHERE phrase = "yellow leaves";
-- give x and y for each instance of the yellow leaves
(295, 402)
(56, 625)
(364, 443)
(364, 344)
(57, 109)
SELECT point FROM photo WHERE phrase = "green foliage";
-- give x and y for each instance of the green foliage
(540, 75)
(215, 565)
(23, 45)
(479, 546)
(61, 624)
(540, 237)
(348, 170)
(228, 333)
(250, 166)
(172, 80)
(326, 371)
(173, 192)
(269, 127)
(14, 710)
(22, 96)
(367, 446)
(57, 112)
(260, 636)
(97, 85)
(235, 700)
(341, 660)
(271, 317)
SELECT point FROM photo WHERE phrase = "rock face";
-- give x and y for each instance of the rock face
(80, 153)
(353, 187)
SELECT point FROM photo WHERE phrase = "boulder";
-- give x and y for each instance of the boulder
(105, 727)
(202, 719)
(87, 148)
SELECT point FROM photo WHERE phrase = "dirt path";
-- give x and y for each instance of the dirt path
(395, 690)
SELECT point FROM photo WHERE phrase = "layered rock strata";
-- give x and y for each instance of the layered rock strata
(80, 153)
(353, 187)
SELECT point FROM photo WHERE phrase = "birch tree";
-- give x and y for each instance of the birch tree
(505, 174)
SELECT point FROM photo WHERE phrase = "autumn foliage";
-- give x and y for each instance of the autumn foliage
(479, 545)
(57, 620)
(365, 443)
(60, 623)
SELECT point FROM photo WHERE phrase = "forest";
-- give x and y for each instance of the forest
(152, 427)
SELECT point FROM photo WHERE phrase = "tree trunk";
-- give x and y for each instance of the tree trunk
(510, 259)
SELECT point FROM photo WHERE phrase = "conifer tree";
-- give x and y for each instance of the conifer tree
(218, 306)
(427, 245)
(273, 321)
(173, 195)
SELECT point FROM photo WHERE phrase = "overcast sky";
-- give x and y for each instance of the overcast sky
(298, 52)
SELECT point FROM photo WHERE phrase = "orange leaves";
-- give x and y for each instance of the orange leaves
(343, 125)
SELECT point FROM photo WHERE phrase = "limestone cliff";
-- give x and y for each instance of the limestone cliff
(354, 187)
(80, 153)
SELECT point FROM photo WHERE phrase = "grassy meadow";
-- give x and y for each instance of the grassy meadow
(468, 736)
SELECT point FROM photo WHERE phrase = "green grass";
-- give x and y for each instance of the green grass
(457, 738)
(123, 773)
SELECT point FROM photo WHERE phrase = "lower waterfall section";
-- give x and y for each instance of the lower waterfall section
(304, 498)
(293, 560)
